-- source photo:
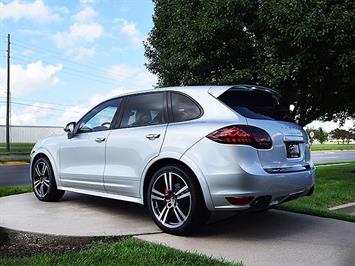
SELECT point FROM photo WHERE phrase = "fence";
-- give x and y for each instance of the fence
(28, 134)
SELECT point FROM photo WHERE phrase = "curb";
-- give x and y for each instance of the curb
(13, 163)
(351, 204)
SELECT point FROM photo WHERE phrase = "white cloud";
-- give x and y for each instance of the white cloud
(28, 115)
(329, 125)
(130, 30)
(83, 32)
(85, 15)
(35, 11)
(34, 76)
(121, 72)
(76, 112)
(132, 76)
(79, 33)
(87, 1)
(82, 52)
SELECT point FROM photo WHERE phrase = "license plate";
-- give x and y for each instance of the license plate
(293, 150)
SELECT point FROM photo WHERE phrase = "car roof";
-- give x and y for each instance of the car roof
(214, 90)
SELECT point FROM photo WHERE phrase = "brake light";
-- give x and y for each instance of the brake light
(242, 134)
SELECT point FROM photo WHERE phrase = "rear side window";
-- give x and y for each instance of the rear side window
(255, 104)
(184, 108)
(144, 110)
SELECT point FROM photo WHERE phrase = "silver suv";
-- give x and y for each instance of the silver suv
(182, 151)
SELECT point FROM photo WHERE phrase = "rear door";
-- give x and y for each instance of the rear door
(290, 151)
(135, 142)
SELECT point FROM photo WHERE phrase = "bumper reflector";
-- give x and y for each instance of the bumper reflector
(239, 200)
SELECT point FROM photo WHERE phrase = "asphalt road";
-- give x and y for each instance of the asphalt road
(333, 156)
(19, 175)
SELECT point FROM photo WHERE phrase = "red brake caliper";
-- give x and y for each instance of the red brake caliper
(166, 191)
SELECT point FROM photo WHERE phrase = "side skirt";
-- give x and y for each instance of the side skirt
(102, 194)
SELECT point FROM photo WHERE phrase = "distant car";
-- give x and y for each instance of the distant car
(182, 151)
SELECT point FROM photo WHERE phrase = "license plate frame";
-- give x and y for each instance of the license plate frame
(293, 150)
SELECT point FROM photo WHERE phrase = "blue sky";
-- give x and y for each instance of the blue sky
(69, 55)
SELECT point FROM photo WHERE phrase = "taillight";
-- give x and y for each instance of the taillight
(242, 134)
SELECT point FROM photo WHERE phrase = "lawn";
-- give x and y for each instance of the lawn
(6, 191)
(335, 185)
(122, 252)
(17, 147)
(340, 147)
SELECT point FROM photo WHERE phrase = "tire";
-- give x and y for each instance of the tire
(177, 207)
(43, 181)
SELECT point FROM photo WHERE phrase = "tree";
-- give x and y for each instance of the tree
(303, 49)
(340, 134)
(321, 135)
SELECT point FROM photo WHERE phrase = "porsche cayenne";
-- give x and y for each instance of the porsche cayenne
(184, 152)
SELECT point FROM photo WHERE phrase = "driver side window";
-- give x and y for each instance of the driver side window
(100, 118)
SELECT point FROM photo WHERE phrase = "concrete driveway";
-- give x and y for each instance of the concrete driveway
(75, 215)
(272, 238)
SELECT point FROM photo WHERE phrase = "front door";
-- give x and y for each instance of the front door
(137, 141)
(82, 158)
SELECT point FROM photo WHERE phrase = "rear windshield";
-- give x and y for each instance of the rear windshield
(255, 104)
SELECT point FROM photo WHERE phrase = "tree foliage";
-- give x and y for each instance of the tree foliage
(304, 49)
(321, 135)
(342, 134)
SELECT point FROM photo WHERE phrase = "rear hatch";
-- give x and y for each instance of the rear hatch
(260, 106)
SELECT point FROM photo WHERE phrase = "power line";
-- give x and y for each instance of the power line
(55, 54)
(40, 107)
(77, 73)
(30, 58)
(51, 103)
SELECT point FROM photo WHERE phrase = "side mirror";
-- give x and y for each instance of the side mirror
(69, 128)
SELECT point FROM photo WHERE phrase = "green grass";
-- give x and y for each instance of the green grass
(17, 147)
(123, 252)
(335, 185)
(7, 191)
(340, 147)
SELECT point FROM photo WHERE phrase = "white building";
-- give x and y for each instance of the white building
(28, 134)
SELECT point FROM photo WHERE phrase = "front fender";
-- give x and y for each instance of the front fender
(51, 159)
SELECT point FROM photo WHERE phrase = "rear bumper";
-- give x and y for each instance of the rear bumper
(277, 188)
(235, 171)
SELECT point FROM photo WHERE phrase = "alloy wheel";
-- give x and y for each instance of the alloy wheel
(41, 179)
(171, 200)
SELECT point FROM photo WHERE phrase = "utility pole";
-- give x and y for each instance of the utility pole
(8, 96)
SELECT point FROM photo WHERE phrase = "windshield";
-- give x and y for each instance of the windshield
(255, 104)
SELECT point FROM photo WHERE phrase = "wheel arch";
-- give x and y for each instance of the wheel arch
(45, 154)
(156, 165)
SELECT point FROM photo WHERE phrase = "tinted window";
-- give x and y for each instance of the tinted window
(184, 108)
(144, 110)
(100, 118)
(255, 104)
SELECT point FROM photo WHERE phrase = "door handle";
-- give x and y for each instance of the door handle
(99, 140)
(152, 136)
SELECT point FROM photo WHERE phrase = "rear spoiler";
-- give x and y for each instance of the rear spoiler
(217, 91)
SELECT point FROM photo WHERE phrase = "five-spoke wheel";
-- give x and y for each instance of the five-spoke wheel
(175, 200)
(43, 182)
(41, 179)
